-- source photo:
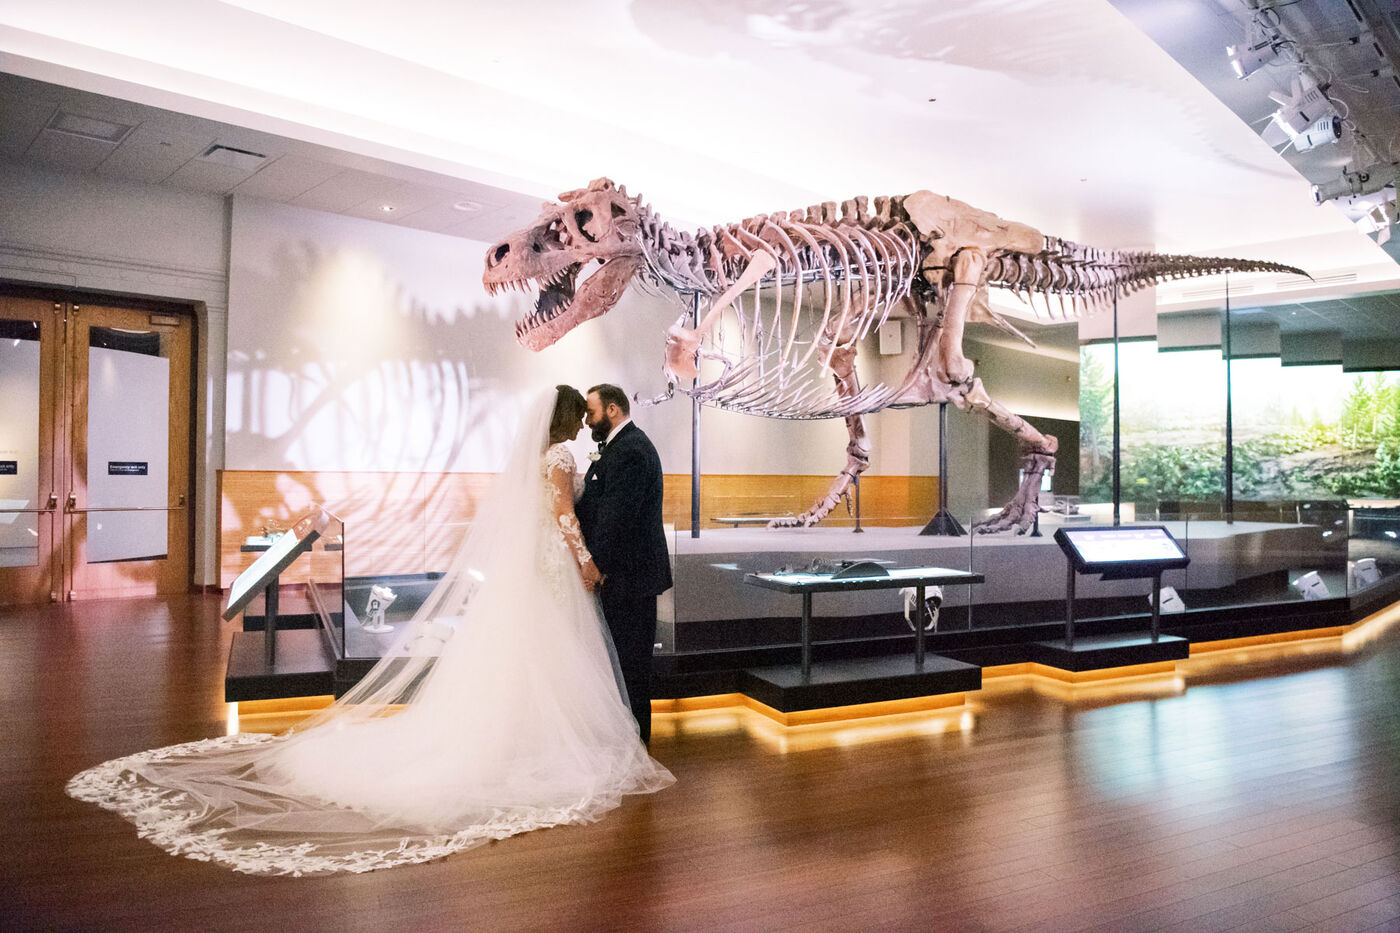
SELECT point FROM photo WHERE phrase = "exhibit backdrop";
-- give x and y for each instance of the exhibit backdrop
(1300, 432)
(362, 346)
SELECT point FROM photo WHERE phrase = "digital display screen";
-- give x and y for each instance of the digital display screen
(1120, 545)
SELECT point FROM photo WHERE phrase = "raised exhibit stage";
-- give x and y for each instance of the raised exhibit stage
(1020, 571)
(719, 635)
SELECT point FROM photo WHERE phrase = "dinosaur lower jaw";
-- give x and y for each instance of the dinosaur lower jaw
(565, 303)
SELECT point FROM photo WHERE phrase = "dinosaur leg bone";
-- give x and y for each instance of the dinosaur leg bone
(1037, 456)
(967, 265)
(857, 449)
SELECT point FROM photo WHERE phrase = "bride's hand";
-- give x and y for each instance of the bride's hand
(592, 578)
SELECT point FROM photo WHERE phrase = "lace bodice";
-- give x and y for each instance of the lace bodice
(560, 475)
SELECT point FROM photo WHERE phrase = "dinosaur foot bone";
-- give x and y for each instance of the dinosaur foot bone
(1019, 514)
(812, 516)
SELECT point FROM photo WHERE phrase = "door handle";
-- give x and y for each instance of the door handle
(72, 501)
(53, 502)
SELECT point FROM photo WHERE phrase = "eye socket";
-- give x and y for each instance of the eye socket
(618, 211)
(581, 218)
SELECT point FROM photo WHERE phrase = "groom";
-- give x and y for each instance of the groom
(620, 514)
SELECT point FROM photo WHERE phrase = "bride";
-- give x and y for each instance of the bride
(497, 711)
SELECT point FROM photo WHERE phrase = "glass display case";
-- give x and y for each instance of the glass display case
(297, 579)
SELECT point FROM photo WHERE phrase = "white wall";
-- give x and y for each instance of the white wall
(356, 345)
(87, 232)
(347, 344)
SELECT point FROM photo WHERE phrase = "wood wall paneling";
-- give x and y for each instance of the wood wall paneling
(408, 523)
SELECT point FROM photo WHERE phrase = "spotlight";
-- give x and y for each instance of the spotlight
(1364, 573)
(1324, 131)
(380, 598)
(1311, 586)
(1260, 47)
(1171, 600)
(1305, 107)
(933, 602)
(1355, 184)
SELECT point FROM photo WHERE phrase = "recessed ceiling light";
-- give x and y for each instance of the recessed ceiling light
(88, 127)
(466, 206)
(387, 208)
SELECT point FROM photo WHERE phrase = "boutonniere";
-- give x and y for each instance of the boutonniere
(598, 454)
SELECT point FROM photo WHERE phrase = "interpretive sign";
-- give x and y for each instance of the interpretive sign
(277, 558)
(1124, 551)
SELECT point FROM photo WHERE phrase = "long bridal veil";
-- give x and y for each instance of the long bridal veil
(496, 711)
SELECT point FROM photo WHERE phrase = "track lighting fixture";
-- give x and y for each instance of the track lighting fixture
(1261, 45)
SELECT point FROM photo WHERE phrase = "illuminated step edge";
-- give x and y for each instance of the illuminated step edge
(277, 715)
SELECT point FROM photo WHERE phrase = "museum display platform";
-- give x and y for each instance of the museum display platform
(720, 635)
(856, 681)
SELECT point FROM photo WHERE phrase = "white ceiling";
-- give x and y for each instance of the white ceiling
(1057, 113)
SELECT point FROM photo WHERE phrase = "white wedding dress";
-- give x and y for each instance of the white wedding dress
(498, 711)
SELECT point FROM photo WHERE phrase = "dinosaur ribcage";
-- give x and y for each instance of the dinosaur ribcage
(779, 348)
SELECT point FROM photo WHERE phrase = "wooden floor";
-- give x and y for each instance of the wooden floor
(1263, 798)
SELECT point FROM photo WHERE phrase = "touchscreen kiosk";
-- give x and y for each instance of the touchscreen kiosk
(1122, 552)
(1118, 553)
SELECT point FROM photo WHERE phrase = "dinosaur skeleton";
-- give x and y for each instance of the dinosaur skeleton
(790, 295)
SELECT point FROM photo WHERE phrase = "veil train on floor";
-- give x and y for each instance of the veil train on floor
(496, 711)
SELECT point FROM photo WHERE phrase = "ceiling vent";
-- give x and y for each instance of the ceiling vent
(88, 127)
(242, 159)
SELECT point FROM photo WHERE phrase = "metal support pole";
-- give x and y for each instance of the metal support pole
(858, 529)
(1229, 415)
(1156, 605)
(919, 625)
(1117, 439)
(1069, 606)
(695, 434)
(806, 635)
(271, 597)
(943, 522)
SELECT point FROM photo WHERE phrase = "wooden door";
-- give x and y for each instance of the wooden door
(31, 360)
(127, 482)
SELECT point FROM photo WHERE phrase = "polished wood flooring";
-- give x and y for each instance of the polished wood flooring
(1257, 798)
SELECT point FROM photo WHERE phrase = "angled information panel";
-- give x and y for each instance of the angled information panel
(270, 563)
(1121, 552)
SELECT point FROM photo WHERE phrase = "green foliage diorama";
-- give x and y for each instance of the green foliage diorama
(1278, 454)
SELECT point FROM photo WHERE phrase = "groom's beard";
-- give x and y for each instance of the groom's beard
(601, 430)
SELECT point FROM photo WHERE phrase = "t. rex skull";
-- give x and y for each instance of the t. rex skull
(599, 223)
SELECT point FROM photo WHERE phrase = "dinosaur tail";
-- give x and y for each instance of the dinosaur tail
(1090, 276)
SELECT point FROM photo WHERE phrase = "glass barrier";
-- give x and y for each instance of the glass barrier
(1373, 545)
(715, 608)
(1271, 552)
(309, 589)
(326, 579)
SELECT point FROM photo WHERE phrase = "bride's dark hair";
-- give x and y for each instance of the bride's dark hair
(569, 409)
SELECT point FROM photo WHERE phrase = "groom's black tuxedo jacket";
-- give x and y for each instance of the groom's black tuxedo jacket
(620, 514)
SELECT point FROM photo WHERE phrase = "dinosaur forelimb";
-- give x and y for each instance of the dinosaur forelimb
(682, 342)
